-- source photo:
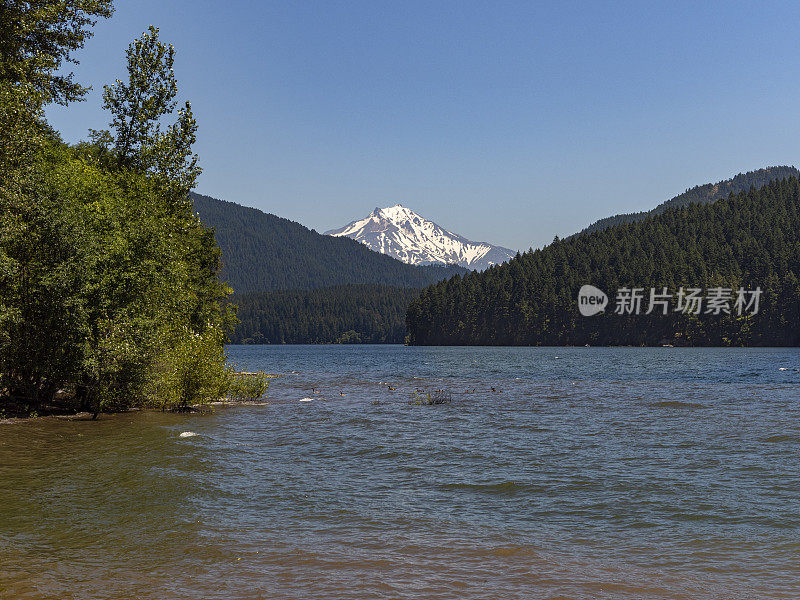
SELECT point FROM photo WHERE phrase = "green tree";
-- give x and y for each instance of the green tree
(109, 291)
(38, 270)
(173, 305)
(137, 108)
(38, 36)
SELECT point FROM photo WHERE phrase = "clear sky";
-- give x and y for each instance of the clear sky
(508, 122)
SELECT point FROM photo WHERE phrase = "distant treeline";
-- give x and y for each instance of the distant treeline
(262, 253)
(749, 239)
(369, 314)
(702, 194)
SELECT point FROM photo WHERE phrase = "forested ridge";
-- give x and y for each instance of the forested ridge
(748, 240)
(262, 252)
(368, 314)
(702, 194)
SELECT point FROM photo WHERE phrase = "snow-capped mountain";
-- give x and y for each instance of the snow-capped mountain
(403, 234)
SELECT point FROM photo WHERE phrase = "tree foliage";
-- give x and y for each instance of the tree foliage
(38, 36)
(109, 289)
(137, 108)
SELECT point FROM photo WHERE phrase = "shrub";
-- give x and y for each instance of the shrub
(247, 386)
(429, 398)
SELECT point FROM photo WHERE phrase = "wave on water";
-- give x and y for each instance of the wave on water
(359, 420)
(782, 437)
(750, 374)
(500, 488)
(381, 454)
(515, 551)
(677, 404)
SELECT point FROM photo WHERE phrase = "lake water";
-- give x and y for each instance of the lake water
(553, 473)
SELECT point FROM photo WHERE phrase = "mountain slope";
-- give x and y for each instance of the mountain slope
(701, 194)
(262, 252)
(366, 314)
(748, 240)
(403, 234)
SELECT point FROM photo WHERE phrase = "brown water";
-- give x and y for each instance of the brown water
(603, 473)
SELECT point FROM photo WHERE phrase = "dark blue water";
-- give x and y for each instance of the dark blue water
(552, 473)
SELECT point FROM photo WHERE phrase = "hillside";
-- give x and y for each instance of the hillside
(369, 314)
(701, 194)
(749, 239)
(262, 252)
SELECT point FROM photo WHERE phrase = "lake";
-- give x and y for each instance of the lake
(551, 473)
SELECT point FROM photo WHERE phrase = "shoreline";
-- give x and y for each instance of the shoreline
(61, 408)
(194, 409)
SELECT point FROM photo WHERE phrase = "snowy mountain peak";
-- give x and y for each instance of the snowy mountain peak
(394, 213)
(400, 232)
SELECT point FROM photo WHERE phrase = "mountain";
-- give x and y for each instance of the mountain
(748, 240)
(262, 252)
(403, 234)
(702, 194)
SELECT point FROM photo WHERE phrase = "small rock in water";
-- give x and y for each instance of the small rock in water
(187, 434)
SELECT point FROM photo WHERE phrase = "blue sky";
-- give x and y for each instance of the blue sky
(502, 121)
